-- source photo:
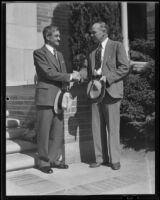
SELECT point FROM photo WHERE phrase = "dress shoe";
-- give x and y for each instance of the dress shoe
(59, 165)
(46, 170)
(107, 164)
(116, 166)
(96, 164)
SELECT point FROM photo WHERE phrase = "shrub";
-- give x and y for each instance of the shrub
(139, 93)
(138, 56)
(148, 72)
(138, 105)
(146, 47)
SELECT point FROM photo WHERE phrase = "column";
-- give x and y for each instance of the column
(124, 20)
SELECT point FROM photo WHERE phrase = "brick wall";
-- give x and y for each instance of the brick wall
(20, 103)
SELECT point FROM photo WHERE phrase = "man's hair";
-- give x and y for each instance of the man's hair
(103, 26)
(48, 30)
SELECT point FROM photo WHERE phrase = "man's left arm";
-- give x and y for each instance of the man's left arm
(122, 66)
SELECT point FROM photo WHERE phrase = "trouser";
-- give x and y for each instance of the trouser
(50, 135)
(105, 129)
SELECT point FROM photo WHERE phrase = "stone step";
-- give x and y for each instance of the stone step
(17, 145)
(12, 122)
(21, 133)
(13, 133)
(18, 161)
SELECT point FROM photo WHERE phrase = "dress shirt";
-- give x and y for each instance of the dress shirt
(50, 48)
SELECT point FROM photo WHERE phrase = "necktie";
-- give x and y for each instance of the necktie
(56, 56)
(98, 57)
(55, 53)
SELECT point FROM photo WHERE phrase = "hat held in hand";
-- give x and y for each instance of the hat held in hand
(96, 90)
(63, 101)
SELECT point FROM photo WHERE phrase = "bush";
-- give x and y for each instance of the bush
(148, 72)
(138, 56)
(145, 47)
(138, 105)
(139, 93)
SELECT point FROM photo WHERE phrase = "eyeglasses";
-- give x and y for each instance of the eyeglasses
(57, 35)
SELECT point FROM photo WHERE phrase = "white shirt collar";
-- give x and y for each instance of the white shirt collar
(50, 48)
(104, 43)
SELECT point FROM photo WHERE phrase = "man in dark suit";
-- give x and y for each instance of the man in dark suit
(52, 76)
(108, 62)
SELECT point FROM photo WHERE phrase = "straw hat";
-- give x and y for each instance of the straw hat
(63, 101)
(96, 90)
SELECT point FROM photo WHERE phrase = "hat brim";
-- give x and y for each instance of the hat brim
(63, 101)
(95, 98)
(67, 101)
(57, 108)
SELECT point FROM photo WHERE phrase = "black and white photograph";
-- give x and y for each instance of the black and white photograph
(80, 106)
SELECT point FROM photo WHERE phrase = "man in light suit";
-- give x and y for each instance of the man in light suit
(52, 76)
(108, 62)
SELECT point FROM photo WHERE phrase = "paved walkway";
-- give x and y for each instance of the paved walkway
(136, 176)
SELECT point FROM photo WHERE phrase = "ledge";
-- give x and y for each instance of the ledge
(137, 65)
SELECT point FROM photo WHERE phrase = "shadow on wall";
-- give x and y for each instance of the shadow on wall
(82, 121)
(61, 19)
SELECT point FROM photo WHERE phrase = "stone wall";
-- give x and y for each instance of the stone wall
(21, 40)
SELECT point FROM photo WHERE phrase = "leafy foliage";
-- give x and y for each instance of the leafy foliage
(138, 105)
(148, 72)
(143, 47)
(139, 93)
(138, 56)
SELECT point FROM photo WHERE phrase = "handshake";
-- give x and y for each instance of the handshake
(79, 76)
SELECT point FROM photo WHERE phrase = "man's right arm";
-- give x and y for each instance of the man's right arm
(50, 73)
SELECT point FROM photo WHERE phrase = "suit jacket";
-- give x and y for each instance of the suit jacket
(51, 75)
(115, 67)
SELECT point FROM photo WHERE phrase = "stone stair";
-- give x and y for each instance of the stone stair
(20, 154)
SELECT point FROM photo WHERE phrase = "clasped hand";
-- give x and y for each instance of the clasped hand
(102, 78)
(76, 76)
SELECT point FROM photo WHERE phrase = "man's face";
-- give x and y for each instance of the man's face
(97, 33)
(54, 38)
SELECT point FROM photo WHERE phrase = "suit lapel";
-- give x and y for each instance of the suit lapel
(93, 60)
(51, 57)
(106, 52)
(60, 62)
